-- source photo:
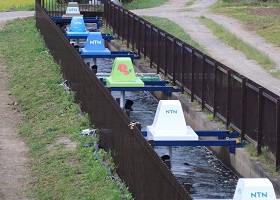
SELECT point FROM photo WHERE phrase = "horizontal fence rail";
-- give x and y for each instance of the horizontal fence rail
(88, 8)
(242, 104)
(138, 165)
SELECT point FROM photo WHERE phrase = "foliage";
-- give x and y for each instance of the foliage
(138, 4)
(13, 5)
(249, 2)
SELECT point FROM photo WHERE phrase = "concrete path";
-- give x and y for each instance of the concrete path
(7, 16)
(188, 19)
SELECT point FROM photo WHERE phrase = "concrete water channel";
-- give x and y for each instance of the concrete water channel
(197, 166)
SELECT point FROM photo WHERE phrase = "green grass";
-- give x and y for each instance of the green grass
(50, 114)
(12, 5)
(262, 159)
(189, 3)
(138, 4)
(173, 29)
(233, 41)
(226, 3)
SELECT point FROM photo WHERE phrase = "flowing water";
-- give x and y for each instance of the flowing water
(197, 166)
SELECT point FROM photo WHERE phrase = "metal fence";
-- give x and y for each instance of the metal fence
(248, 108)
(138, 165)
(88, 8)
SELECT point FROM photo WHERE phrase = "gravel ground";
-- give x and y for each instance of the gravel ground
(188, 19)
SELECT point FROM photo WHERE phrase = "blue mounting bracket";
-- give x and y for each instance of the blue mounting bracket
(223, 140)
(96, 20)
(105, 36)
(221, 134)
(232, 144)
(151, 83)
(160, 82)
(168, 89)
(114, 54)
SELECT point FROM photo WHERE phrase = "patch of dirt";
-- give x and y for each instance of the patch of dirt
(65, 141)
(266, 12)
(14, 161)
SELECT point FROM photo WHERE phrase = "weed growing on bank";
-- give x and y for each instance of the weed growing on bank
(137, 4)
(61, 167)
(173, 29)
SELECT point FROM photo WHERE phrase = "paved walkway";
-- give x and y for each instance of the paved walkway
(7, 16)
(188, 19)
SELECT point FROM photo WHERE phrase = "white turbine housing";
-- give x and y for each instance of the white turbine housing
(169, 123)
(254, 188)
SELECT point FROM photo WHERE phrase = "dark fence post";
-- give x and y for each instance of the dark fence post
(215, 91)
(133, 32)
(109, 90)
(105, 12)
(139, 126)
(158, 50)
(277, 160)
(203, 83)
(260, 134)
(173, 61)
(183, 68)
(127, 112)
(193, 66)
(39, 2)
(229, 97)
(116, 20)
(165, 55)
(123, 25)
(152, 143)
(138, 39)
(52, 8)
(110, 14)
(113, 25)
(243, 109)
(48, 7)
(118, 16)
(144, 41)
(118, 100)
(127, 34)
(151, 46)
